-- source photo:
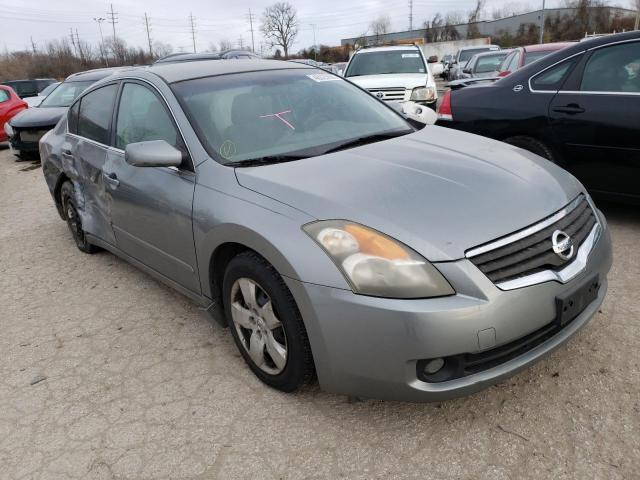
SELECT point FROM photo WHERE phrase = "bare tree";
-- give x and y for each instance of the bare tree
(380, 27)
(280, 26)
(212, 48)
(161, 49)
(226, 45)
(475, 16)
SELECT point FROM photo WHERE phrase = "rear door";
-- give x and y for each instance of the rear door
(151, 207)
(595, 116)
(84, 152)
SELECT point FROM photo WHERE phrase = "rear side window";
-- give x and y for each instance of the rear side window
(613, 69)
(95, 114)
(4, 96)
(553, 78)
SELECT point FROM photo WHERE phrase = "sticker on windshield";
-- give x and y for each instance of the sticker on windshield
(323, 77)
(410, 55)
(227, 149)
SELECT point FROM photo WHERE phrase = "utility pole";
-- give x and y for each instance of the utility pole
(410, 14)
(542, 23)
(146, 22)
(113, 18)
(33, 46)
(253, 43)
(241, 42)
(79, 47)
(99, 21)
(315, 47)
(637, 25)
(193, 31)
(73, 41)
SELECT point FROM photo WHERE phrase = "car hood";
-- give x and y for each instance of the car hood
(38, 117)
(438, 190)
(406, 80)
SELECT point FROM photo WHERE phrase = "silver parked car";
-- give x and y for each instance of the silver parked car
(335, 238)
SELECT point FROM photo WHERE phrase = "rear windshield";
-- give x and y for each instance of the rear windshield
(23, 88)
(65, 94)
(531, 57)
(390, 61)
(489, 63)
(465, 55)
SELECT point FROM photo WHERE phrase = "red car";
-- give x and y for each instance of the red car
(10, 104)
(521, 56)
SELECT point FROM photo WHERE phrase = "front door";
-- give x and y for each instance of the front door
(597, 120)
(152, 206)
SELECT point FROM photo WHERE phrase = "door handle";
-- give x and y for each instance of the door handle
(66, 152)
(571, 109)
(111, 179)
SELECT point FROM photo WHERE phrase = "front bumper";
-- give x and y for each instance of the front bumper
(369, 347)
(27, 146)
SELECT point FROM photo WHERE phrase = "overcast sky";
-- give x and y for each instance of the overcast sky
(215, 20)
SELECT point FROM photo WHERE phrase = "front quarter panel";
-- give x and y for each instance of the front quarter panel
(225, 212)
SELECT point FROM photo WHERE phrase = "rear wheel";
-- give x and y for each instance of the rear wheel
(266, 324)
(534, 146)
(74, 221)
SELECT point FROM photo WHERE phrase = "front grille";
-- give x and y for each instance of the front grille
(533, 253)
(388, 94)
(28, 135)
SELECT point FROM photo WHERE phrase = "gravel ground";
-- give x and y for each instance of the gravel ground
(105, 373)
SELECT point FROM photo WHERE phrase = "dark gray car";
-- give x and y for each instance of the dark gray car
(334, 238)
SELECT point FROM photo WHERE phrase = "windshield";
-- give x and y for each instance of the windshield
(531, 57)
(465, 55)
(66, 93)
(295, 113)
(390, 61)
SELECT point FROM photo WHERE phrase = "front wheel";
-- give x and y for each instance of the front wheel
(74, 221)
(266, 324)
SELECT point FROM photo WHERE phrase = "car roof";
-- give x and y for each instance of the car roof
(96, 74)
(177, 72)
(491, 53)
(386, 48)
(478, 47)
(543, 47)
(191, 57)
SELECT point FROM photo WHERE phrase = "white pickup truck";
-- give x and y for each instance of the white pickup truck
(394, 73)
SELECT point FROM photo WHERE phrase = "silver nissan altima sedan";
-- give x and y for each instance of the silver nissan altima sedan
(334, 237)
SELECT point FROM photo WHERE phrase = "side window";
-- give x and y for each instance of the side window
(95, 113)
(72, 118)
(4, 96)
(553, 78)
(613, 69)
(142, 117)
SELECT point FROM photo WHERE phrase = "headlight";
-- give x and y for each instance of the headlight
(375, 264)
(422, 94)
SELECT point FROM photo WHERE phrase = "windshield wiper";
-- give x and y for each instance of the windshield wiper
(269, 160)
(356, 142)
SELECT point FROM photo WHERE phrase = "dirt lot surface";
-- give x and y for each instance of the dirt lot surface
(105, 373)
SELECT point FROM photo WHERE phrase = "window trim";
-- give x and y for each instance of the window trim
(532, 77)
(163, 100)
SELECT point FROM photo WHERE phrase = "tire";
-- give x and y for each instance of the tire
(534, 146)
(74, 222)
(254, 324)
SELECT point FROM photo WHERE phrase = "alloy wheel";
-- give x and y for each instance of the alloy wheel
(259, 329)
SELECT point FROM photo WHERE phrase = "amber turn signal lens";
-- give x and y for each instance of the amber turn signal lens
(373, 243)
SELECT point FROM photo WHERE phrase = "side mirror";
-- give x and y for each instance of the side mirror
(154, 153)
(419, 113)
(467, 70)
(432, 59)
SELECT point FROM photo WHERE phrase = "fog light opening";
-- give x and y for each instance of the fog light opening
(433, 366)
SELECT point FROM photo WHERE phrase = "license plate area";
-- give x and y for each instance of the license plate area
(572, 303)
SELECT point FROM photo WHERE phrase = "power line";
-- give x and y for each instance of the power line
(193, 30)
